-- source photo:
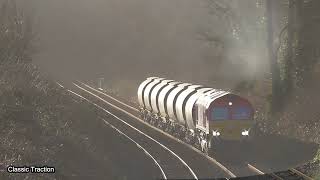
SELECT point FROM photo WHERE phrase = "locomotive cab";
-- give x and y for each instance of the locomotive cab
(230, 117)
(224, 116)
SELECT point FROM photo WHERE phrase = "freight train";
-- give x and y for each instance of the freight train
(196, 114)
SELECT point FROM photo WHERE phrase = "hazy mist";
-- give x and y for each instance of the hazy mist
(130, 40)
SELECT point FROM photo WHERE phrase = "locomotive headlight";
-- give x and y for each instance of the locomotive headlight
(215, 133)
(245, 133)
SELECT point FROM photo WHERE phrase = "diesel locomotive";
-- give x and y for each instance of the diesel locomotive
(196, 114)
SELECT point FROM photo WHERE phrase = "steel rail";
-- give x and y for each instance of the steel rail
(119, 131)
(149, 137)
(300, 174)
(226, 170)
(293, 170)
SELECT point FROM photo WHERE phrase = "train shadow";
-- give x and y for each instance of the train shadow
(272, 152)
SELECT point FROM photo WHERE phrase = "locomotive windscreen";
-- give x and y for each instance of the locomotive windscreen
(220, 113)
(237, 113)
(241, 113)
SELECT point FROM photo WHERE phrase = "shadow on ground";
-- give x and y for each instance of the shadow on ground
(268, 152)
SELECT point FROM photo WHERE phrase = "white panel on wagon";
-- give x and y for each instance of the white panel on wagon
(181, 102)
(148, 91)
(162, 99)
(155, 95)
(172, 100)
(190, 104)
(141, 90)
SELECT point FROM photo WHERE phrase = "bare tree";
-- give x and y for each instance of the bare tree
(16, 34)
(274, 66)
(289, 60)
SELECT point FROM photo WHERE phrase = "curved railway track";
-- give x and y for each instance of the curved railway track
(201, 165)
(290, 174)
(204, 160)
(126, 136)
(176, 167)
(170, 166)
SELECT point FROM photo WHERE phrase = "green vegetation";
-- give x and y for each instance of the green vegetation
(281, 35)
(37, 119)
(317, 156)
(40, 123)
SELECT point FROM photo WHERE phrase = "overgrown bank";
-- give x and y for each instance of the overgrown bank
(42, 124)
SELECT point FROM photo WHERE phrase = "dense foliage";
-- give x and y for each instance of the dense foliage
(285, 96)
(37, 122)
(40, 123)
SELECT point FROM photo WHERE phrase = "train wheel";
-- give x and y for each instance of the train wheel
(204, 146)
(176, 134)
(187, 138)
(206, 150)
(166, 128)
(152, 122)
(159, 124)
(169, 129)
(197, 143)
(183, 135)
